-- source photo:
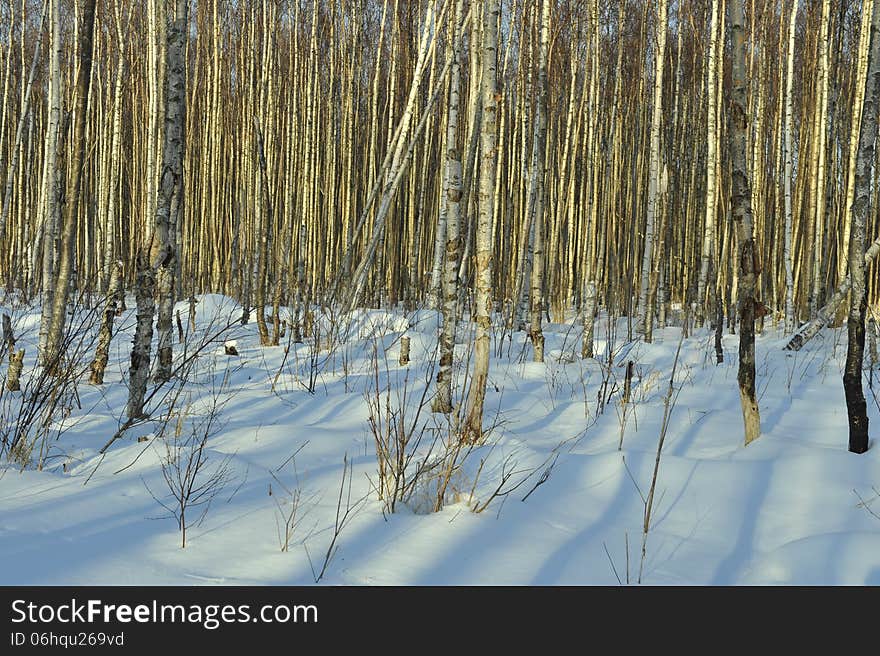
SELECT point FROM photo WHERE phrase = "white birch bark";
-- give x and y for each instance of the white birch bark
(452, 194)
(473, 427)
(787, 249)
(654, 166)
(708, 244)
(539, 166)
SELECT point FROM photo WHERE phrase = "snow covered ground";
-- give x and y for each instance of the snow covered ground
(784, 510)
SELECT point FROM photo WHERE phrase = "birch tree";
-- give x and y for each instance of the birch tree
(52, 186)
(171, 188)
(539, 165)
(741, 203)
(452, 203)
(708, 244)
(655, 170)
(66, 253)
(856, 406)
(472, 430)
(789, 156)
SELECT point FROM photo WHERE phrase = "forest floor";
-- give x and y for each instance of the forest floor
(287, 429)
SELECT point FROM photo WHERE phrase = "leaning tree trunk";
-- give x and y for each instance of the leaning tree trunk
(810, 329)
(452, 199)
(473, 427)
(71, 210)
(741, 202)
(856, 406)
(396, 160)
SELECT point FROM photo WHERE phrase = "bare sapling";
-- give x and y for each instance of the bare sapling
(399, 433)
(668, 405)
(192, 477)
(346, 510)
(625, 405)
(289, 512)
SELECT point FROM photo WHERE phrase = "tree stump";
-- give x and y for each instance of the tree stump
(16, 360)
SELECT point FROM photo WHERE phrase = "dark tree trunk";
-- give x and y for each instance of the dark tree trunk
(856, 408)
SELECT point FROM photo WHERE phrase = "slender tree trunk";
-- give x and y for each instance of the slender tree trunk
(473, 428)
(105, 334)
(139, 369)
(539, 165)
(263, 236)
(169, 203)
(656, 168)
(53, 187)
(852, 377)
(589, 319)
(742, 216)
(820, 183)
(708, 246)
(787, 250)
(71, 209)
(855, 123)
(452, 199)
(20, 128)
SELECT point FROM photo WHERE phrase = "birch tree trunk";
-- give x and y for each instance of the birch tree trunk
(708, 245)
(741, 203)
(264, 231)
(861, 73)
(820, 184)
(787, 249)
(810, 329)
(395, 160)
(52, 187)
(539, 165)
(71, 209)
(19, 130)
(170, 193)
(105, 334)
(452, 200)
(655, 166)
(472, 430)
(139, 369)
(856, 406)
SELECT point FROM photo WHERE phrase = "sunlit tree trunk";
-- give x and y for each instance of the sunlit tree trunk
(473, 428)
(708, 244)
(452, 199)
(787, 250)
(539, 165)
(655, 168)
(66, 253)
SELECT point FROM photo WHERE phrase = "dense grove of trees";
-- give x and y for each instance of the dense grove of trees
(520, 157)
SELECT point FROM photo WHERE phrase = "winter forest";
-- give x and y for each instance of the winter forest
(439, 292)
